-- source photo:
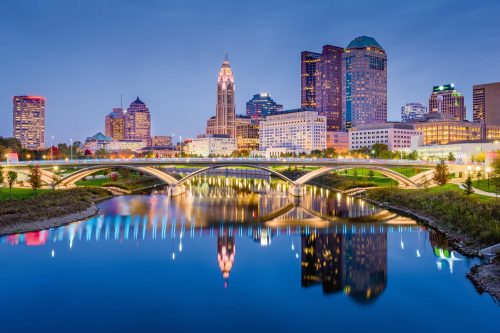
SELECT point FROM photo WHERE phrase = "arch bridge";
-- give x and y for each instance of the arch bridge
(154, 167)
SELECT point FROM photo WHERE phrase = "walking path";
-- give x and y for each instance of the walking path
(476, 190)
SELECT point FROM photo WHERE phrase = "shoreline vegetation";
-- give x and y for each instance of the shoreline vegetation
(468, 223)
(49, 209)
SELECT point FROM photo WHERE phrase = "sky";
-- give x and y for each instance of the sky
(81, 55)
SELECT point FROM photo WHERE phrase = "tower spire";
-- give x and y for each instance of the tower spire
(226, 56)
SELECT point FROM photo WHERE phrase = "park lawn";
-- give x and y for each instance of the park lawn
(378, 180)
(409, 172)
(19, 193)
(483, 185)
(92, 182)
(455, 188)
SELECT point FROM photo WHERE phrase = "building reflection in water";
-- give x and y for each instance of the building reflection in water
(342, 256)
(355, 263)
(442, 250)
(226, 251)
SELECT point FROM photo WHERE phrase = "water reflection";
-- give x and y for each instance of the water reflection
(342, 242)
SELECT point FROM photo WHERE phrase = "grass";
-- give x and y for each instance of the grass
(92, 182)
(18, 193)
(476, 217)
(409, 172)
(483, 185)
(49, 204)
(133, 183)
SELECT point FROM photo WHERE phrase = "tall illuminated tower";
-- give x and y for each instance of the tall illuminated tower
(364, 88)
(29, 121)
(138, 122)
(225, 113)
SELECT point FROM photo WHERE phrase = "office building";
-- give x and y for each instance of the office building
(338, 140)
(114, 124)
(29, 121)
(138, 122)
(445, 99)
(486, 103)
(213, 145)
(223, 123)
(262, 105)
(301, 131)
(161, 141)
(364, 83)
(413, 112)
(397, 136)
(247, 133)
(321, 84)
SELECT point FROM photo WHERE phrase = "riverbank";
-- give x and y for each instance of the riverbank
(49, 209)
(469, 224)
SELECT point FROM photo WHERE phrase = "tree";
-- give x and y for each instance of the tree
(441, 173)
(55, 179)
(11, 179)
(1, 175)
(426, 182)
(35, 177)
(371, 173)
(468, 189)
(451, 157)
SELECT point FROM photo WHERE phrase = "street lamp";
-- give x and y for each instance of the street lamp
(180, 142)
(488, 170)
(478, 168)
(51, 155)
(71, 148)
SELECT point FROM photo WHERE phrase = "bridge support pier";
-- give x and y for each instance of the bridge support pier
(295, 190)
(176, 190)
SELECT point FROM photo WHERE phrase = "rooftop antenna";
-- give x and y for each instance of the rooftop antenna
(121, 99)
(226, 56)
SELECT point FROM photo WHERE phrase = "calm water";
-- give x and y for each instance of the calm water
(227, 257)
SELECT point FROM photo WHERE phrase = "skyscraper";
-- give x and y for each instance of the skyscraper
(486, 103)
(226, 104)
(445, 99)
(321, 84)
(114, 124)
(413, 112)
(364, 82)
(309, 72)
(262, 105)
(138, 122)
(29, 121)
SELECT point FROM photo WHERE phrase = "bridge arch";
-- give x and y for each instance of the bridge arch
(203, 170)
(72, 178)
(402, 180)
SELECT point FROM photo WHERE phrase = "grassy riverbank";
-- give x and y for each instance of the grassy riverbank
(18, 193)
(130, 184)
(47, 205)
(475, 220)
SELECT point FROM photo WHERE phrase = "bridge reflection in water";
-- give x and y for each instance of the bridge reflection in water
(343, 241)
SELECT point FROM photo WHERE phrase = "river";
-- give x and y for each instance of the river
(237, 254)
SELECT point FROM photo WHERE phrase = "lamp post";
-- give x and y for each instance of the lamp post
(478, 168)
(51, 154)
(180, 142)
(488, 170)
(71, 148)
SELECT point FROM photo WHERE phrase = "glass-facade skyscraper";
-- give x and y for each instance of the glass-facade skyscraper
(445, 99)
(364, 78)
(29, 121)
(321, 84)
(413, 112)
(138, 122)
(262, 105)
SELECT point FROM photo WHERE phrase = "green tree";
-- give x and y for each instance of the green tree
(371, 173)
(11, 179)
(35, 177)
(329, 152)
(1, 175)
(441, 173)
(451, 157)
(468, 189)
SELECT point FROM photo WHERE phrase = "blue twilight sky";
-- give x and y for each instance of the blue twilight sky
(81, 54)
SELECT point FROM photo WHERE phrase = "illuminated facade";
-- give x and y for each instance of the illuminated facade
(397, 136)
(161, 141)
(262, 105)
(226, 251)
(301, 131)
(114, 124)
(29, 121)
(225, 114)
(138, 122)
(213, 145)
(445, 99)
(338, 140)
(413, 112)
(445, 131)
(486, 103)
(247, 133)
(364, 83)
(321, 84)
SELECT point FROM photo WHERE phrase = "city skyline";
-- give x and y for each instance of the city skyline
(74, 65)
